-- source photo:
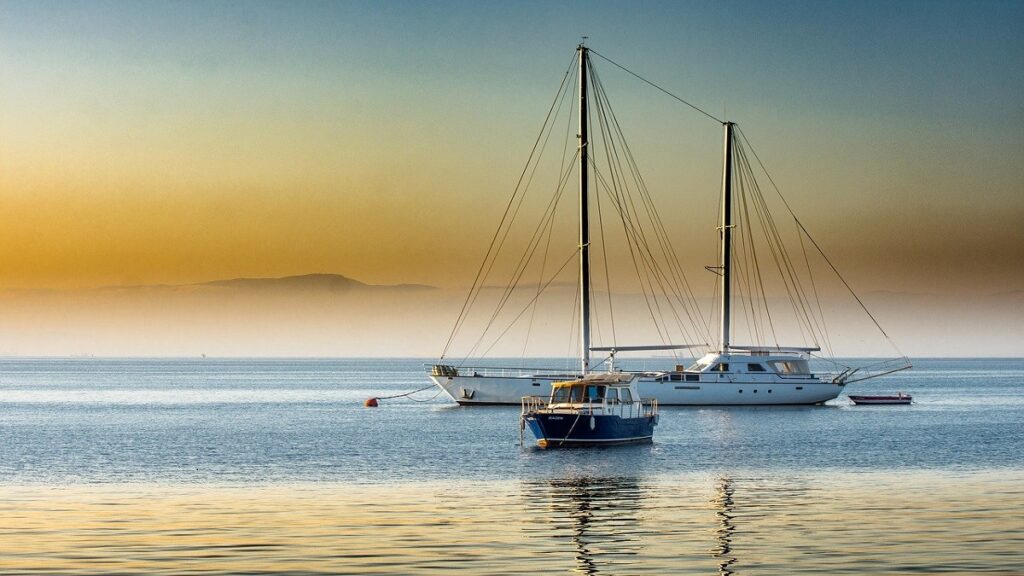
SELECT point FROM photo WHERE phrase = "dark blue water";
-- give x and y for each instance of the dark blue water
(205, 420)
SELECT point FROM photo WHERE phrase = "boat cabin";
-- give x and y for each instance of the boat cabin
(583, 392)
(607, 393)
(753, 363)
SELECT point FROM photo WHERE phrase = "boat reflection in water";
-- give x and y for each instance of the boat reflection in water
(600, 517)
(723, 504)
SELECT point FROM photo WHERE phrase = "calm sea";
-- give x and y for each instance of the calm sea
(206, 466)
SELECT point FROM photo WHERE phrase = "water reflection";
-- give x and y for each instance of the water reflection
(910, 522)
(723, 503)
(600, 517)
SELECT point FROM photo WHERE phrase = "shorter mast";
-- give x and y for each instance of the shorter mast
(584, 221)
(726, 236)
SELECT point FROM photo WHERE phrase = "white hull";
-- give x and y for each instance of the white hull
(711, 390)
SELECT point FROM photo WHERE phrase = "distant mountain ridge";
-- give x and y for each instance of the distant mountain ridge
(307, 282)
(301, 283)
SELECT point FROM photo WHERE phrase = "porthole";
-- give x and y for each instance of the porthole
(769, 390)
(755, 391)
(741, 391)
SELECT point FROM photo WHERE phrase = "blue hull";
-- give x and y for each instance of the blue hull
(566, 430)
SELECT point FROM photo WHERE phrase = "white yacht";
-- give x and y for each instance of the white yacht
(726, 373)
(736, 377)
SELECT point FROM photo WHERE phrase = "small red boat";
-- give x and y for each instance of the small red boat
(900, 398)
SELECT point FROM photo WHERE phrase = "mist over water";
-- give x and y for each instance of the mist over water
(254, 465)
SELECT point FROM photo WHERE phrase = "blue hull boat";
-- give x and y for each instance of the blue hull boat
(596, 410)
(558, 430)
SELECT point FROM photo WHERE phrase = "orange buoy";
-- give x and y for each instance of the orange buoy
(370, 403)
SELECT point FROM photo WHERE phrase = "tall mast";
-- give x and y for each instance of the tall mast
(726, 235)
(584, 219)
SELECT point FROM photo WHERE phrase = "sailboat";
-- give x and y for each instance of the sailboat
(726, 374)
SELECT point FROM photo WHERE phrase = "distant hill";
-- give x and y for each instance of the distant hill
(329, 282)
(305, 283)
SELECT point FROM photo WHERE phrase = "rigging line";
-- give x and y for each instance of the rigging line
(540, 277)
(607, 270)
(831, 360)
(562, 169)
(817, 298)
(745, 259)
(515, 279)
(574, 324)
(741, 264)
(781, 260)
(616, 189)
(613, 185)
(808, 314)
(818, 248)
(523, 263)
(780, 254)
(478, 281)
(681, 289)
(642, 79)
(713, 309)
(524, 260)
(531, 249)
(530, 303)
(617, 173)
(746, 302)
(740, 164)
(756, 264)
(617, 182)
(626, 225)
(492, 256)
(647, 289)
(660, 233)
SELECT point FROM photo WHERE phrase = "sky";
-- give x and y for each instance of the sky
(180, 142)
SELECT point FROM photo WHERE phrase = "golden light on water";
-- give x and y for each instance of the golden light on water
(872, 522)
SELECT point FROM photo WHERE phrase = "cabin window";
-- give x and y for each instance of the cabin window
(612, 396)
(626, 396)
(593, 393)
(560, 395)
(692, 378)
(791, 366)
(723, 367)
(755, 368)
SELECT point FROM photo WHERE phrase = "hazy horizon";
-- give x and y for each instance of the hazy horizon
(336, 316)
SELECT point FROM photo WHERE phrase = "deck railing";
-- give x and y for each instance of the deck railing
(446, 370)
(532, 404)
(645, 408)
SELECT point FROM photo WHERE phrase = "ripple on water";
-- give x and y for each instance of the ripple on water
(684, 524)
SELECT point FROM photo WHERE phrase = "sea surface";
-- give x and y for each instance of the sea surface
(272, 466)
